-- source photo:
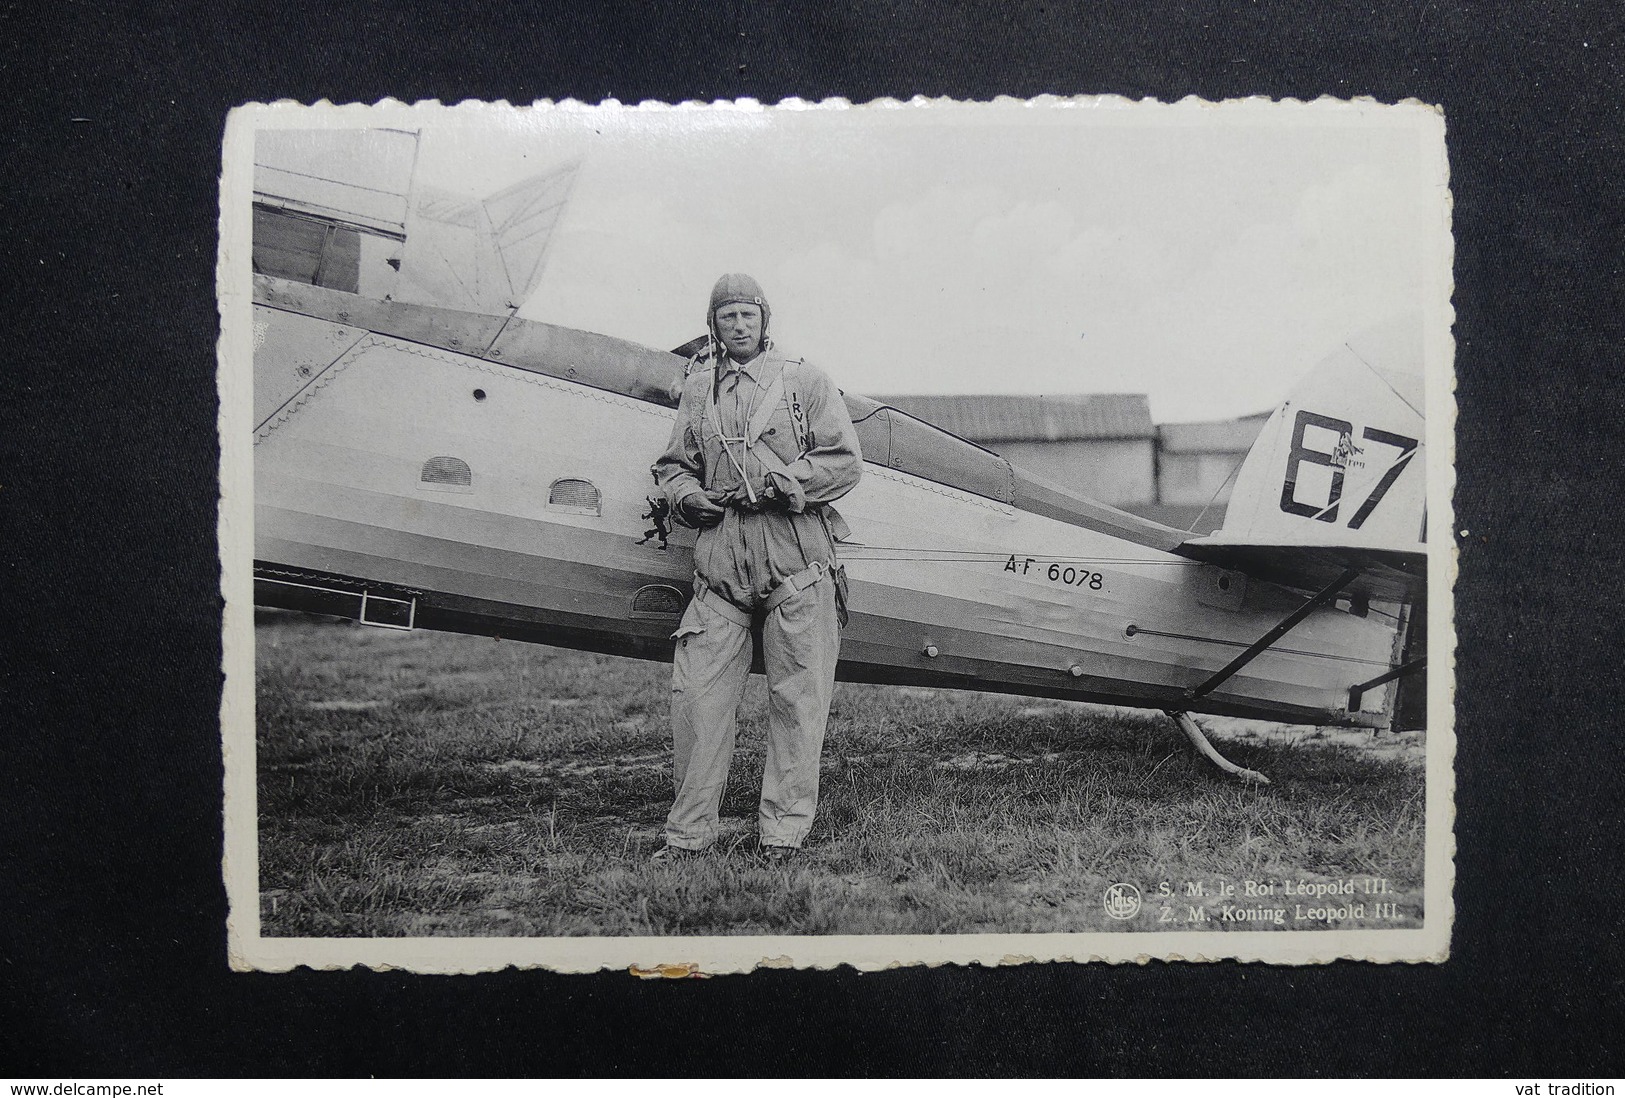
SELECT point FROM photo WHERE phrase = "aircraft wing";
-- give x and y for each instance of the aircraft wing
(692, 347)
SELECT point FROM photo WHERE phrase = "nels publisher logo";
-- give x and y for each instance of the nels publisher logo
(1122, 901)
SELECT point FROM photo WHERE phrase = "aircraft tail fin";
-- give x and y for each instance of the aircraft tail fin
(342, 209)
(1341, 460)
(1337, 476)
(486, 254)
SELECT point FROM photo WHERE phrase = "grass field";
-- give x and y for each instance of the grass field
(432, 784)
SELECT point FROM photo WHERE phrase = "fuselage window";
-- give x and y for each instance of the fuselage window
(577, 496)
(447, 474)
(658, 600)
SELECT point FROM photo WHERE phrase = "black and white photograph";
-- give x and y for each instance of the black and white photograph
(708, 536)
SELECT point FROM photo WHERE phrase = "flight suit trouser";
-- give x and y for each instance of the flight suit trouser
(801, 640)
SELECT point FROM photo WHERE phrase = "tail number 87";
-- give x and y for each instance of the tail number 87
(1337, 460)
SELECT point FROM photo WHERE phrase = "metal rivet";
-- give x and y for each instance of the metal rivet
(1075, 671)
(497, 351)
(930, 651)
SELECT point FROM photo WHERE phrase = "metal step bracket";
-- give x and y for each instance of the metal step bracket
(383, 604)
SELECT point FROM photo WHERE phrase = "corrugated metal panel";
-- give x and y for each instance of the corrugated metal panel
(1224, 436)
(1033, 418)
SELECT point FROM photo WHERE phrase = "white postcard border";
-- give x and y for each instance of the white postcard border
(249, 950)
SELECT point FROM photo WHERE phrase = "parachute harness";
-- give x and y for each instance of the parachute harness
(728, 440)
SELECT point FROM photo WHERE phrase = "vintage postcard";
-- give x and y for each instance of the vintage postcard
(688, 538)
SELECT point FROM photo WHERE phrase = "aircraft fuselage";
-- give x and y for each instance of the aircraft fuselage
(491, 476)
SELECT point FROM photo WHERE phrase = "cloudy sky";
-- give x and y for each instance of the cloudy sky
(1205, 256)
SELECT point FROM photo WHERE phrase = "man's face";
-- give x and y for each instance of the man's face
(740, 326)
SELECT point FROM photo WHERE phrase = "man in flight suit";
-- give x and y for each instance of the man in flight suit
(761, 447)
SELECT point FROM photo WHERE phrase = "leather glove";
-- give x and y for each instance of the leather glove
(769, 498)
(699, 510)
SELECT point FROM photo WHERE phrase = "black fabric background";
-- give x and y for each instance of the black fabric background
(112, 952)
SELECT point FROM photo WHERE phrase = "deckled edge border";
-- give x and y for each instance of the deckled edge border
(247, 950)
